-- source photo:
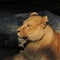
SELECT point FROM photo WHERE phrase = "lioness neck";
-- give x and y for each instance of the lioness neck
(45, 42)
(50, 40)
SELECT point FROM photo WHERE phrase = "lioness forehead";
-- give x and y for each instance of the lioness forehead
(33, 19)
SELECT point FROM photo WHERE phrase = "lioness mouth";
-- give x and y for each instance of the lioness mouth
(24, 41)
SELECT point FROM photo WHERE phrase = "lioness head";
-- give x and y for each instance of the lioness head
(33, 28)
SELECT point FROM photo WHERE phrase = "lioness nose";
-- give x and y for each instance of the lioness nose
(18, 31)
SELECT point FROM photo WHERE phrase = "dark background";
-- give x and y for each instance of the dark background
(17, 6)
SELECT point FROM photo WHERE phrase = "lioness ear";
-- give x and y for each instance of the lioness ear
(45, 19)
(34, 14)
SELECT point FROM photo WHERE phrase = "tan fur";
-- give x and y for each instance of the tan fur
(34, 28)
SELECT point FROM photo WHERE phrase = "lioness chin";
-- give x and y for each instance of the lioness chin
(44, 40)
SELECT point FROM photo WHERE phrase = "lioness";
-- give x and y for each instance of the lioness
(44, 41)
